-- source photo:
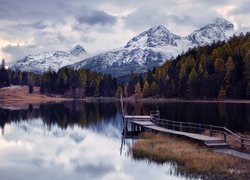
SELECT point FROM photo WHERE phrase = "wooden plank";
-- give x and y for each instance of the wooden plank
(215, 144)
(143, 123)
(191, 135)
(136, 117)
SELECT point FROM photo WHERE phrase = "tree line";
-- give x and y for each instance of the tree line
(78, 83)
(66, 82)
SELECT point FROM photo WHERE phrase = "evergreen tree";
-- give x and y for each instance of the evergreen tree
(138, 90)
(247, 74)
(3, 65)
(192, 83)
(154, 89)
(119, 92)
(219, 65)
(229, 71)
(222, 93)
(30, 88)
(146, 90)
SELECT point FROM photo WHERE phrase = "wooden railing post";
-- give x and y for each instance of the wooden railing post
(225, 136)
(158, 112)
(242, 143)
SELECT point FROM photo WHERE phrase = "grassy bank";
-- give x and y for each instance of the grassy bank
(19, 96)
(191, 158)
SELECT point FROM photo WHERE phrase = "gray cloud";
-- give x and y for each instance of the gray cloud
(36, 25)
(14, 51)
(144, 18)
(97, 17)
(244, 8)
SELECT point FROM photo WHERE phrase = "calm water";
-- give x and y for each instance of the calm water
(80, 140)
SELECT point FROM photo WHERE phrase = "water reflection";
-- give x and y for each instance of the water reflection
(79, 140)
(93, 115)
(66, 141)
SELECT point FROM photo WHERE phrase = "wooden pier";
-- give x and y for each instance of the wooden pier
(133, 125)
(144, 123)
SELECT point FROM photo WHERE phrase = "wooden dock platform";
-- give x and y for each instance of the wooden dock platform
(145, 123)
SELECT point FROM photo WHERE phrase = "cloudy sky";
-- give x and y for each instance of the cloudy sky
(31, 26)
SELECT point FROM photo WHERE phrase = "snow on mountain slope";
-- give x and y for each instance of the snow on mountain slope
(219, 30)
(152, 47)
(50, 60)
(155, 37)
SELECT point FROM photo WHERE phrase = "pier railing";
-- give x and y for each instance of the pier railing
(185, 126)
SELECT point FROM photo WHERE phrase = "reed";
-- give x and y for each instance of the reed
(191, 158)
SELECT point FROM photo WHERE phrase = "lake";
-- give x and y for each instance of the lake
(82, 140)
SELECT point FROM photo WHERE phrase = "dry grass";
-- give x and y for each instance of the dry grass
(20, 97)
(191, 158)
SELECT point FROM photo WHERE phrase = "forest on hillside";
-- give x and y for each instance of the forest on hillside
(220, 70)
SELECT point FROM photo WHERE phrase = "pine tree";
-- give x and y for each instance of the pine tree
(219, 65)
(222, 93)
(146, 90)
(3, 64)
(31, 89)
(138, 90)
(228, 76)
(192, 88)
(247, 74)
(119, 92)
(154, 89)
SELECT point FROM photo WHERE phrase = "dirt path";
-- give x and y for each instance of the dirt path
(19, 97)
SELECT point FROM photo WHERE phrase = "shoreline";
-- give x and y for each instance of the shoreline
(177, 100)
(19, 96)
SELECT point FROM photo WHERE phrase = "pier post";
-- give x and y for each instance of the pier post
(211, 133)
(242, 143)
(225, 137)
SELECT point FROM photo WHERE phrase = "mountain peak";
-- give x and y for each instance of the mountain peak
(218, 30)
(154, 37)
(77, 50)
(158, 28)
(227, 25)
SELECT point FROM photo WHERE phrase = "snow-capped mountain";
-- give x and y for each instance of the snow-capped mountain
(152, 47)
(145, 51)
(50, 60)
